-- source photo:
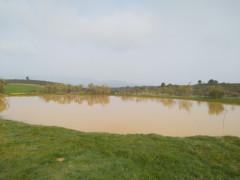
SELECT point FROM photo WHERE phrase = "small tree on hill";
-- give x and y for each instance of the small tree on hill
(212, 82)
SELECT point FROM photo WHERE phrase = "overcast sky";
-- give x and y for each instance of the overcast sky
(135, 41)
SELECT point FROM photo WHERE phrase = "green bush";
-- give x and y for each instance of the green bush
(216, 93)
(2, 85)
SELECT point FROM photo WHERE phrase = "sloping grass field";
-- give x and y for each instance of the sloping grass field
(20, 88)
(37, 152)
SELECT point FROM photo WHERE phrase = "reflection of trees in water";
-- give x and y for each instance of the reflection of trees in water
(67, 99)
(128, 98)
(166, 102)
(215, 108)
(103, 100)
(3, 104)
(185, 105)
(199, 103)
(232, 108)
(134, 99)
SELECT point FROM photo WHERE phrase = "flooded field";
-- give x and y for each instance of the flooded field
(125, 115)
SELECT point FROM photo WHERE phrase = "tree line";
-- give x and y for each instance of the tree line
(212, 89)
(76, 89)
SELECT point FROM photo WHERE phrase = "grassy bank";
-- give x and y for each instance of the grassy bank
(20, 88)
(36, 152)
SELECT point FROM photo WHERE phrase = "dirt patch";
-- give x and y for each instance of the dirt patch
(60, 159)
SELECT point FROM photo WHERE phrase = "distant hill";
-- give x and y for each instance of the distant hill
(112, 83)
(24, 81)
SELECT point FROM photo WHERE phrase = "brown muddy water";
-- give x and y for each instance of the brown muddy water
(125, 115)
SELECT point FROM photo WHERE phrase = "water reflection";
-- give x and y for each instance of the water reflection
(112, 114)
(67, 99)
(128, 98)
(186, 105)
(3, 104)
(166, 102)
(215, 108)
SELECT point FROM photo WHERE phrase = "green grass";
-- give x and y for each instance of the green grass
(15, 88)
(33, 152)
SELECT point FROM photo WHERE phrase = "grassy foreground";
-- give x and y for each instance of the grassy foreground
(36, 152)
